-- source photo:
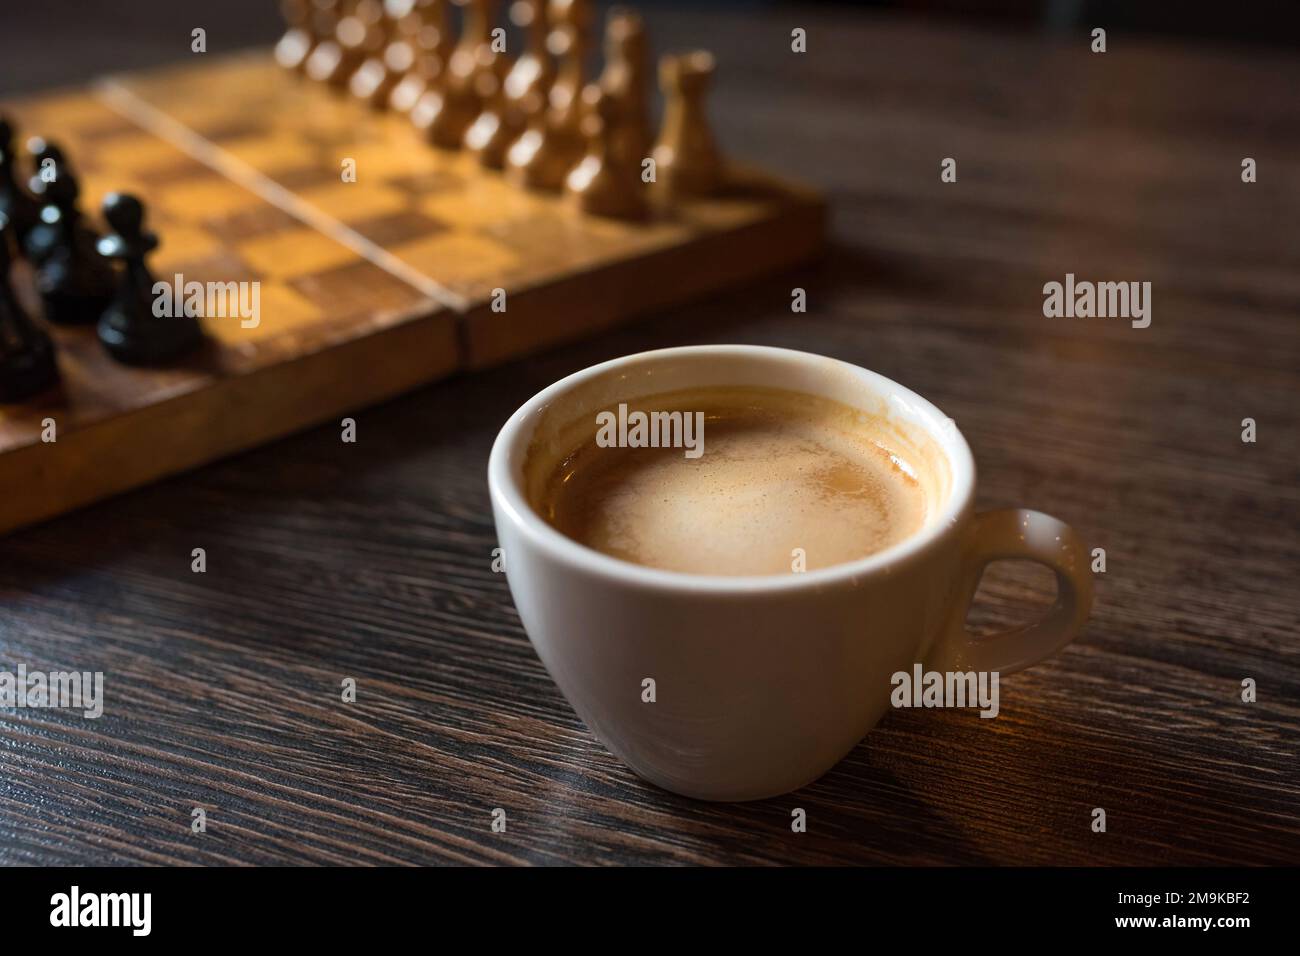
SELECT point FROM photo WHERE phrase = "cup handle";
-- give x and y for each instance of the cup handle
(1017, 533)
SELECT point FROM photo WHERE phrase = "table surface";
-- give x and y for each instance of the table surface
(373, 560)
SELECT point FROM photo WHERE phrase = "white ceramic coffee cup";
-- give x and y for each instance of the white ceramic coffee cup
(763, 683)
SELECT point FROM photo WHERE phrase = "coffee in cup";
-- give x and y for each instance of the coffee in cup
(769, 481)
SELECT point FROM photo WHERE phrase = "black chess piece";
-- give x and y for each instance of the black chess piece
(75, 282)
(43, 239)
(26, 353)
(49, 163)
(16, 205)
(47, 159)
(130, 329)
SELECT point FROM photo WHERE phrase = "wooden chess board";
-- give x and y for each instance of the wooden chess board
(368, 288)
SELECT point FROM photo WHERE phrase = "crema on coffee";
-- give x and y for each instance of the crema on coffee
(784, 481)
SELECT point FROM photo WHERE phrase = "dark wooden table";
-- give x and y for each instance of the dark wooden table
(372, 561)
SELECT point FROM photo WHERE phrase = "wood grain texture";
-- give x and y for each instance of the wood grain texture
(372, 560)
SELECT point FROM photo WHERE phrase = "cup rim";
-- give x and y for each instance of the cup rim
(508, 495)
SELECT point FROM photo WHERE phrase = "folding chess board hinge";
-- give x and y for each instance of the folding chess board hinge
(115, 94)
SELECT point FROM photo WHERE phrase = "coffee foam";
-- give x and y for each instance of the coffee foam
(781, 470)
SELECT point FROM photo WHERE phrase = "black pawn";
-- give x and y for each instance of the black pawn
(19, 208)
(130, 330)
(26, 353)
(75, 282)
